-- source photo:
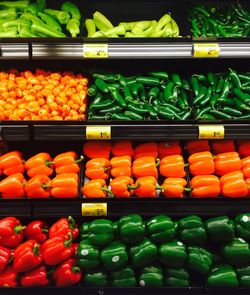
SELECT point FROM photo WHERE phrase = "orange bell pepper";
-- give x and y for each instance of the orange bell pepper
(96, 188)
(122, 187)
(67, 163)
(201, 163)
(205, 186)
(236, 188)
(169, 148)
(244, 148)
(174, 187)
(222, 146)
(147, 149)
(248, 185)
(98, 168)
(226, 163)
(38, 187)
(246, 166)
(172, 166)
(145, 166)
(97, 149)
(12, 163)
(65, 186)
(121, 166)
(146, 187)
(12, 187)
(40, 164)
(197, 146)
(231, 177)
(122, 148)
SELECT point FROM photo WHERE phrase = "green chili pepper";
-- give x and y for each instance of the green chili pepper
(183, 100)
(100, 18)
(195, 85)
(27, 33)
(113, 87)
(220, 114)
(41, 27)
(136, 89)
(200, 96)
(219, 86)
(202, 10)
(111, 109)
(185, 84)
(61, 16)
(168, 92)
(152, 112)
(8, 13)
(214, 100)
(232, 112)
(170, 106)
(201, 78)
(137, 109)
(226, 89)
(153, 93)
(244, 77)
(196, 29)
(186, 115)
(160, 75)
(235, 79)
(244, 97)
(133, 115)
(118, 98)
(102, 104)
(49, 20)
(207, 117)
(166, 115)
(225, 101)
(176, 79)
(211, 78)
(120, 116)
(92, 90)
(106, 78)
(90, 27)
(15, 4)
(101, 85)
(202, 112)
(207, 97)
(72, 9)
(241, 105)
(127, 94)
(36, 7)
(174, 97)
(98, 117)
(9, 34)
(222, 31)
(245, 117)
(73, 27)
(148, 81)
(174, 112)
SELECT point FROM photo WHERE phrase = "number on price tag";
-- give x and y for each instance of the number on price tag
(94, 209)
(211, 132)
(98, 132)
(95, 51)
(206, 50)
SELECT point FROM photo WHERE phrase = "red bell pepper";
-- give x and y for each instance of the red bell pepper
(36, 230)
(12, 163)
(173, 166)
(8, 278)
(169, 148)
(145, 166)
(40, 164)
(197, 146)
(5, 257)
(122, 148)
(27, 256)
(97, 149)
(57, 249)
(65, 186)
(98, 168)
(146, 187)
(38, 187)
(12, 187)
(148, 149)
(226, 163)
(11, 232)
(63, 227)
(37, 277)
(222, 146)
(67, 273)
(121, 166)
(67, 163)
(244, 148)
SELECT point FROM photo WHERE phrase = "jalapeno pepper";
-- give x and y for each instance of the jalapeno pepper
(148, 81)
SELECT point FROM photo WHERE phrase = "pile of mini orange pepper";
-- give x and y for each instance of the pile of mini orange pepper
(42, 95)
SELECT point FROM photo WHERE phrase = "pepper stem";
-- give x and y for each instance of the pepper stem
(11, 259)
(76, 269)
(186, 165)
(107, 168)
(19, 228)
(67, 243)
(161, 188)
(48, 163)
(158, 161)
(132, 187)
(187, 189)
(50, 273)
(79, 160)
(72, 222)
(45, 186)
(36, 250)
(108, 191)
(44, 230)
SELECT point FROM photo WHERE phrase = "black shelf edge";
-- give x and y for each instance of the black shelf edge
(17, 208)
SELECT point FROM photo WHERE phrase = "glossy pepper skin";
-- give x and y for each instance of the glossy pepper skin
(63, 227)
(197, 146)
(242, 226)
(173, 254)
(174, 187)
(169, 148)
(205, 186)
(57, 250)
(67, 163)
(143, 253)
(97, 149)
(222, 146)
(35, 278)
(96, 278)
(161, 229)
(233, 185)
(38, 187)
(27, 256)
(11, 232)
(191, 230)
(172, 166)
(226, 163)
(5, 256)
(101, 232)
(222, 275)
(220, 229)
(114, 256)
(201, 164)
(236, 252)
(88, 255)
(121, 166)
(98, 168)
(151, 276)
(12, 163)
(95, 188)
(199, 260)
(65, 186)
(84, 230)
(122, 148)
(12, 187)
(243, 274)
(176, 277)
(39, 164)
(122, 187)
(148, 149)
(146, 187)
(246, 167)
(36, 230)
(123, 278)
(145, 166)
(244, 148)
(8, 278)
(131, 229)
(67, 274)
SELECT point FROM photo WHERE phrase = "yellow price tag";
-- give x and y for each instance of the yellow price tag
(211, 132)
(95, 51)
(206, 50)
(94, 209)
(98, 132)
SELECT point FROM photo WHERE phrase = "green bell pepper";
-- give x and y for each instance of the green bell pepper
(101, 232)
(242, 226)
(176, 277)
(115, 229)
(61, 16)
(151, 276)
(191, 230)
(161, 229)
(143, 253)
(84, 231)
(114, 256)
(243, 274)
(236, 252)
(72, 9)
(222, 275)
(173, 254)
(8, 13)
(199, 260)
(87, 255)
(131, 229)
(96, 278)
(123, 278)
(220, 229)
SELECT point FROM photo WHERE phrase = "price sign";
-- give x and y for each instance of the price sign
(211, 132)
(98, 132)
(206, 50)
(94, 209)
(95, 51)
